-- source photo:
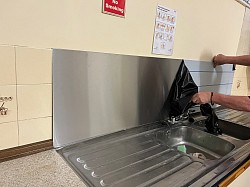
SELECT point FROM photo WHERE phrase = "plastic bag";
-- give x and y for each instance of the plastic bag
(181, 92)
(212, 120)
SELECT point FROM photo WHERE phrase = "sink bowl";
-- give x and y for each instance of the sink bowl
(232, 129)
(196, 141)
(237, 131)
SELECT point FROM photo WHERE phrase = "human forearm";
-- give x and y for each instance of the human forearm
(234, 102)
(241, 60)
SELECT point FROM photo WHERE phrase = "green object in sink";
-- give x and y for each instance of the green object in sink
(182, 148)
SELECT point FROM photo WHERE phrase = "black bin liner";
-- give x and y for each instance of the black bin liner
(212, 119)
(181, 92)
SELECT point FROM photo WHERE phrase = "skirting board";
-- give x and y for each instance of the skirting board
(25, 150)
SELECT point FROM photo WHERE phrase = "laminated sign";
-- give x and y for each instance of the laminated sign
(114, 7)
(165, 24)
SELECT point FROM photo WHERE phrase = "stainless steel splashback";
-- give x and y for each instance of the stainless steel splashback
(97, 93)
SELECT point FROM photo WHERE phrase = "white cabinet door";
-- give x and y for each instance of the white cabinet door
(242, 180)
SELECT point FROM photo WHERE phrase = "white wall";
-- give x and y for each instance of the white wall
(204, 28)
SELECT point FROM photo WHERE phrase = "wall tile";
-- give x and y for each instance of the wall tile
(8, 135)
(248, 83)
(240, 92)
(35, 130)
(244, 49)
(240, 83)
(34, 101)
(234, 92)
(7, 65)
(33, 66)
(240, 71)
(248, 72)
(9, 91)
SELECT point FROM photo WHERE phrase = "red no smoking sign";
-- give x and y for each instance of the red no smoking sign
(114, 7)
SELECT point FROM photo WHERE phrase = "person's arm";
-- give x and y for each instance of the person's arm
(234, 102)
(241, 103)
(240, 60)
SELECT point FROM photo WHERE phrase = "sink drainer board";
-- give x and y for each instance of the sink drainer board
(143, 156)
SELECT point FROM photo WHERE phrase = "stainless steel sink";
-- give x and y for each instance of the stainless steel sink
(196, 141)
(237, 131)
(146, 156)
(234, 130)
(234, 123)
(149, 155)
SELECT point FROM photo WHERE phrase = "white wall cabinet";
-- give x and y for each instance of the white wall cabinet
(242, 180)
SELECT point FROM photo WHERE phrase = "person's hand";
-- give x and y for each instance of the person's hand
(201, 98)
(219, 60)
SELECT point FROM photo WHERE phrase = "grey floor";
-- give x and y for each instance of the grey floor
(42, 169)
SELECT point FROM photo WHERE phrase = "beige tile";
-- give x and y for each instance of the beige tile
(240, 83)
(240, 92)
(241, 71)
(34, 101)
(248, 83)
(33, 66)
(8, 135)
(9, 91)
(35, 130)
(248, 71)
(7, 64)
(234, 92)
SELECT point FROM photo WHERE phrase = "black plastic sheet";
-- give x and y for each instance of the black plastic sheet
(212, 119)
(181, 92)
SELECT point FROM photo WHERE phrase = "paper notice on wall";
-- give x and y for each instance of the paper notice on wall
(165, 25)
